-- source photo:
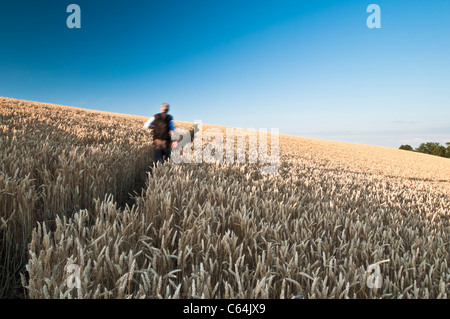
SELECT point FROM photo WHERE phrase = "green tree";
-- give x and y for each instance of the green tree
(432, 148)
(406, 147)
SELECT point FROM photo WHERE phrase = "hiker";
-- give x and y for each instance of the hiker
(163, 126)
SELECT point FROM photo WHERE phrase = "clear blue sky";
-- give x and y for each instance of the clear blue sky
(310, 68)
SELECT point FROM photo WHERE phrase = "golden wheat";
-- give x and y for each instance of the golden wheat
(55, 161)
(223, 230)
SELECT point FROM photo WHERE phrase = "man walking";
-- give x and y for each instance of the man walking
(163, 126)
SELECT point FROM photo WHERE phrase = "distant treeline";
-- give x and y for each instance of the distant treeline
(430, 148)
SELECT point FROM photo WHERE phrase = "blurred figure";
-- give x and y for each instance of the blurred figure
(162, 125)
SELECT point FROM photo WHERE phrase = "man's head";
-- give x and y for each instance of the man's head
(165, 108)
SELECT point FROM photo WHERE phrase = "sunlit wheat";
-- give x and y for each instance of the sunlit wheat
(215, 230)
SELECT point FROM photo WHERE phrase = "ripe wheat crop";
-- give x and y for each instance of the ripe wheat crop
(216, 230)
(54, 161)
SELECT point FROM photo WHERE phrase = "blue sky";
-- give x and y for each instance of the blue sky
(310, 68)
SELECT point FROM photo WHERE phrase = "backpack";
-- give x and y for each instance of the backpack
(161, 128)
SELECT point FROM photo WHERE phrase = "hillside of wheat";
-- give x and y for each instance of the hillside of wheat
(78, 187)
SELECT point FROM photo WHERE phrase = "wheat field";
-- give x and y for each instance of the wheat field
(78, 187)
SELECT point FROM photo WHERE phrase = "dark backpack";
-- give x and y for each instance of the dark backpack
(161, 130)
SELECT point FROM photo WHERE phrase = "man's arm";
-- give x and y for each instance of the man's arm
(172, 125)
(149, 123)
(172, 129)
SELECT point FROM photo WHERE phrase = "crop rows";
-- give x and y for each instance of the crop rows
(55, 161)
(227, 231)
